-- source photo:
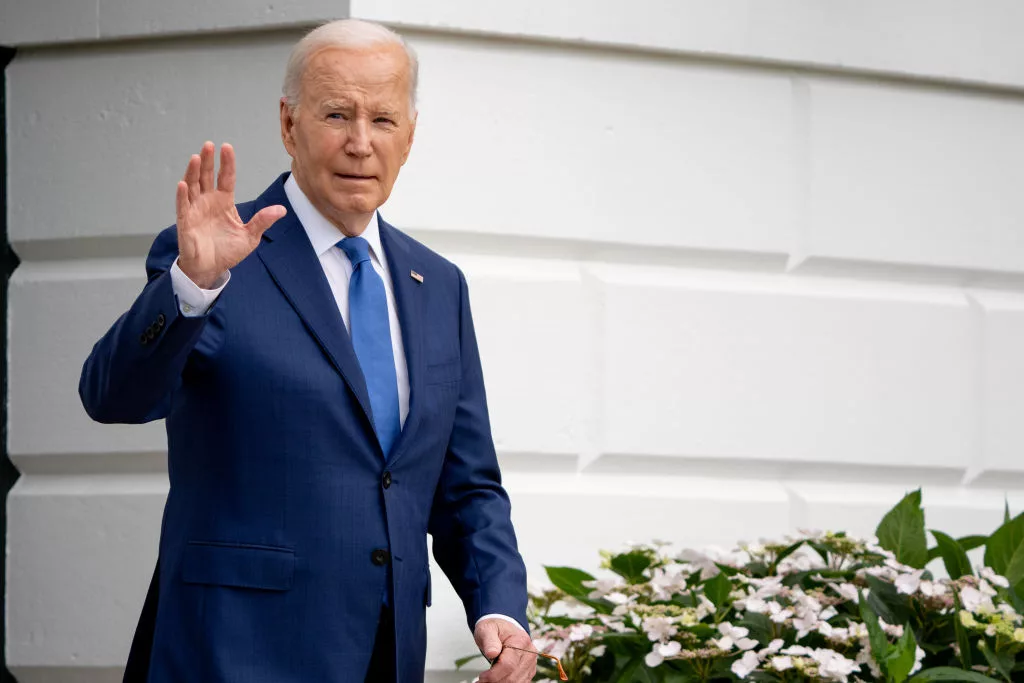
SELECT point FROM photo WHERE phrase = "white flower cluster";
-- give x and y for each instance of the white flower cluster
(805, 607)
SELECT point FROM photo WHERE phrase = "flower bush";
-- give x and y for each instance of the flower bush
(817, 607)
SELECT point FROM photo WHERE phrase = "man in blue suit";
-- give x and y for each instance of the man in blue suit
(319, 376)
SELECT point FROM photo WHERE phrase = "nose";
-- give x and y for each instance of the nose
(358, 142)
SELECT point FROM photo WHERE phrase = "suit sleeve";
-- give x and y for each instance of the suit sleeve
(134, 368)
(474, 542)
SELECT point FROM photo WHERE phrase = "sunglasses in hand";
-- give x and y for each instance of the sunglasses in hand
(561, 671)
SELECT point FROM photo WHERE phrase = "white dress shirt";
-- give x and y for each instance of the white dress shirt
(324, 236)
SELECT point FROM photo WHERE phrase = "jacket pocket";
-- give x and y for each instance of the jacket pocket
(242, 566)
(443, 373)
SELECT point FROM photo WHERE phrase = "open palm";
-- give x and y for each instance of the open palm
(212, 238)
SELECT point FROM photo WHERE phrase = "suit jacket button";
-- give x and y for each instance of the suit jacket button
(160, 320)
(380, 557)
(143, 339)
(150, 333)
(386, 482)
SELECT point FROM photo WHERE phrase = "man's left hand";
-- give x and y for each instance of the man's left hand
(512, 666)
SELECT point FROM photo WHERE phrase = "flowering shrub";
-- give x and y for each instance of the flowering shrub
(817, 607)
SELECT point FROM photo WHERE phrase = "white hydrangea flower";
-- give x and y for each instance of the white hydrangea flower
(578, 632)
(617, 598)
(602, 587)
(577, 610)
(833, 666)
(659, 628)
(777, 614)
(974, 600)
(666, 584)
(656, 656)
(782, 663)
(734, 636)
(909, 583)
(896, 631)
(745, 665)
(768, 587)
(753, 604)
(847, 591)
(990, 575)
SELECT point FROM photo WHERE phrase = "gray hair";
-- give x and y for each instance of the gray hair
(344, 33)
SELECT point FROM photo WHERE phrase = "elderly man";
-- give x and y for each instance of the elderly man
(319, 375)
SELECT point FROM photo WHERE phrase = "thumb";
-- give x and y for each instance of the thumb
(265, 218)
(488, 641)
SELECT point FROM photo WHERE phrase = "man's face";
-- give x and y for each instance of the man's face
(352, 130)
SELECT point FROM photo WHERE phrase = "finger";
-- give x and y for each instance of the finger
(264, 219)
(488, 639)
(181, 203)
(192, 177)
(226, 175)
(206, 168)
(509, 662)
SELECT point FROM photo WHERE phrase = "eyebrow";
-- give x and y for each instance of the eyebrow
(335, 104)
(347, 104)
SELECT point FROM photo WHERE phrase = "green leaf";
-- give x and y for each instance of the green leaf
(570, 581)
(626, 675)
(969, 543)
(1000, 662)
(760, 627)
(462, 661)
(631, 566)
(789, 550)
(953, 555)
(727, 570)
(1004, 552)
(902, 657)
(876, 637)
(717, 590)
(949, 673)
(902, 531)
(1006, 511)
(887, 602)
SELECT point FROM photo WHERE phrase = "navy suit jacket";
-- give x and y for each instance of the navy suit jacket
(281, 502)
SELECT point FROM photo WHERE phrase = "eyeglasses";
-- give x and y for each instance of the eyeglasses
(561, 671)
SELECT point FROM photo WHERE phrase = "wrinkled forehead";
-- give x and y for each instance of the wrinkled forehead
(377, 74)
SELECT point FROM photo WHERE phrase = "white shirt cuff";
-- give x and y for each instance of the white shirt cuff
(194, 301)
(500, 616)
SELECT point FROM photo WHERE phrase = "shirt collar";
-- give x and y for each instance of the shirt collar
(321, 232)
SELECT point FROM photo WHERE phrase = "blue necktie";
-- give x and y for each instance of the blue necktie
(371, 338)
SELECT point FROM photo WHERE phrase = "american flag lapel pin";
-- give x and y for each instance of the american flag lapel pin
(416, 276)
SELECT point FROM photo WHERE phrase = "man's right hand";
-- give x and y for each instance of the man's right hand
(212, 238)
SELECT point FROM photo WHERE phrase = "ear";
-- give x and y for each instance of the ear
(412, 136)
(288, 127)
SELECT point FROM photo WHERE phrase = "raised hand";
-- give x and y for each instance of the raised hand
(212, 238)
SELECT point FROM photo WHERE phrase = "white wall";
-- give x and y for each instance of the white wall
(737, 267)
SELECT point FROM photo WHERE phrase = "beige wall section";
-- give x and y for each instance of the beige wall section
(757, 265)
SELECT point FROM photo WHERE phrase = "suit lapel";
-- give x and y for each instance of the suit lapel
(408, 299)
(289, 257)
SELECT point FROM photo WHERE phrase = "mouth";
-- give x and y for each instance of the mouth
(354, 177)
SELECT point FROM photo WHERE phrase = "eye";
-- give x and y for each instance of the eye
(337, 116)
(385, 120)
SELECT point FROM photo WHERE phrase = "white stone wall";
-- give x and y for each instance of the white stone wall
(737, 266)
